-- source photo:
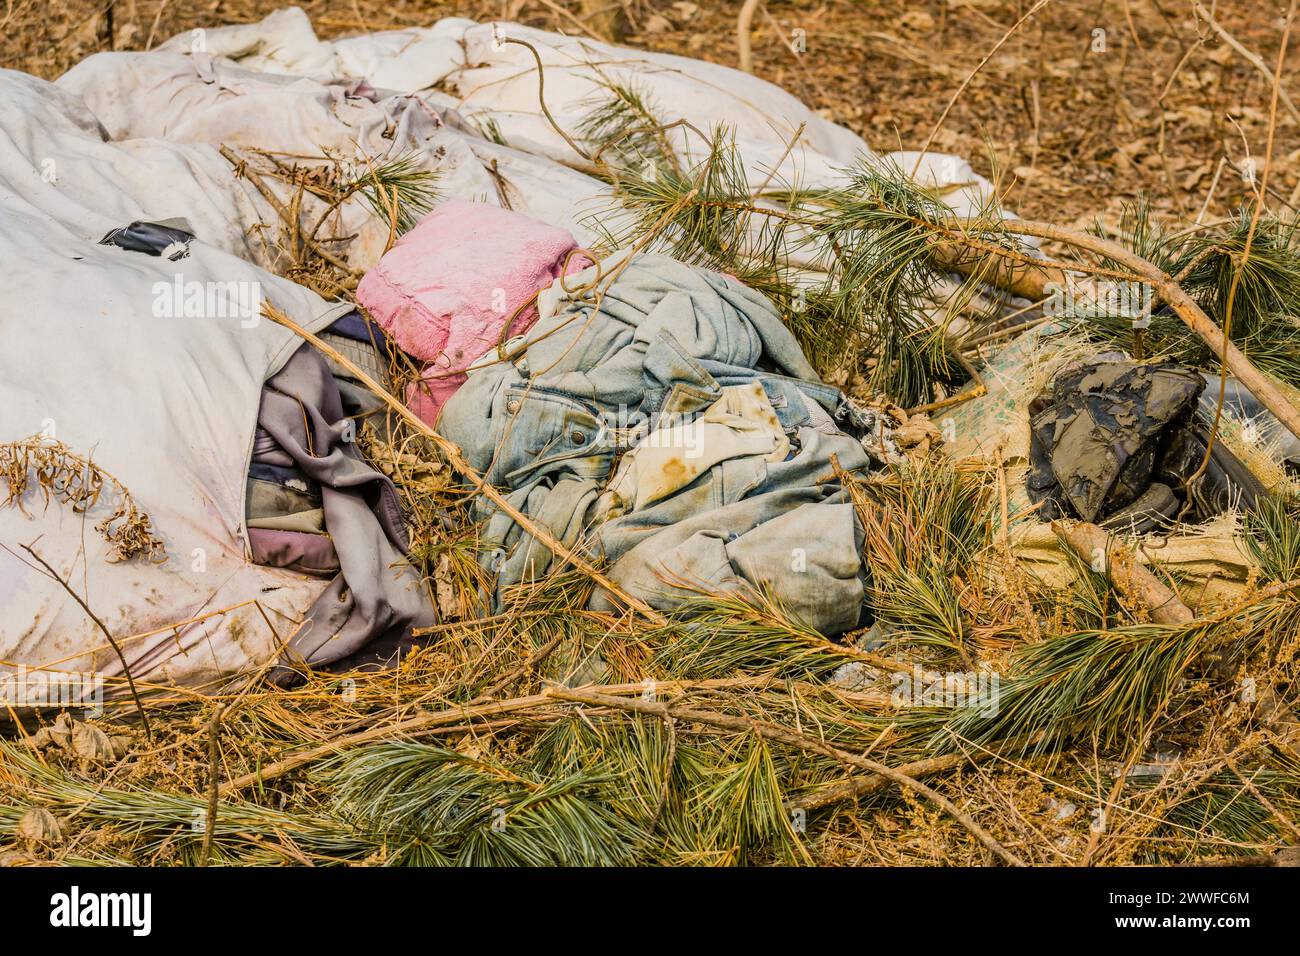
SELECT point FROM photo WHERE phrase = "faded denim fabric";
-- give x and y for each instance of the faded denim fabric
(547, 427)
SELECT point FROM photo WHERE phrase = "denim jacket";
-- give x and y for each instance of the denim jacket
(547, 426)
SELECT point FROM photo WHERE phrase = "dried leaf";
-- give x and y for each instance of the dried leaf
(60, 732)
(92, 744)
(38, 825)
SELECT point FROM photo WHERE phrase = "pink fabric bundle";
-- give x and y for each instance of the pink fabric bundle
(448, 286)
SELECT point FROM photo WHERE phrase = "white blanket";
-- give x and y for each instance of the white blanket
(101, 353)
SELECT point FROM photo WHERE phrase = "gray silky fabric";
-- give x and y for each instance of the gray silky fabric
(548, 426)
(376, 591)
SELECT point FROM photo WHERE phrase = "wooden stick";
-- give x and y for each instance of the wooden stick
(423, 722)
(874, 783)
(1256, 382)
(1025, 279)
(466, 713)
(1122, 566)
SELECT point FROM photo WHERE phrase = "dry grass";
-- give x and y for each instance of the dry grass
(497, 765)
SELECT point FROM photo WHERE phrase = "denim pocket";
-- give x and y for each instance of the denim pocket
(543, 432)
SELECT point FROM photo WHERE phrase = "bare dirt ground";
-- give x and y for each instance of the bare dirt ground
(1086, 106)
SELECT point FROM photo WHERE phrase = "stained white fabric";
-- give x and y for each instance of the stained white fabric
(122, 357)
